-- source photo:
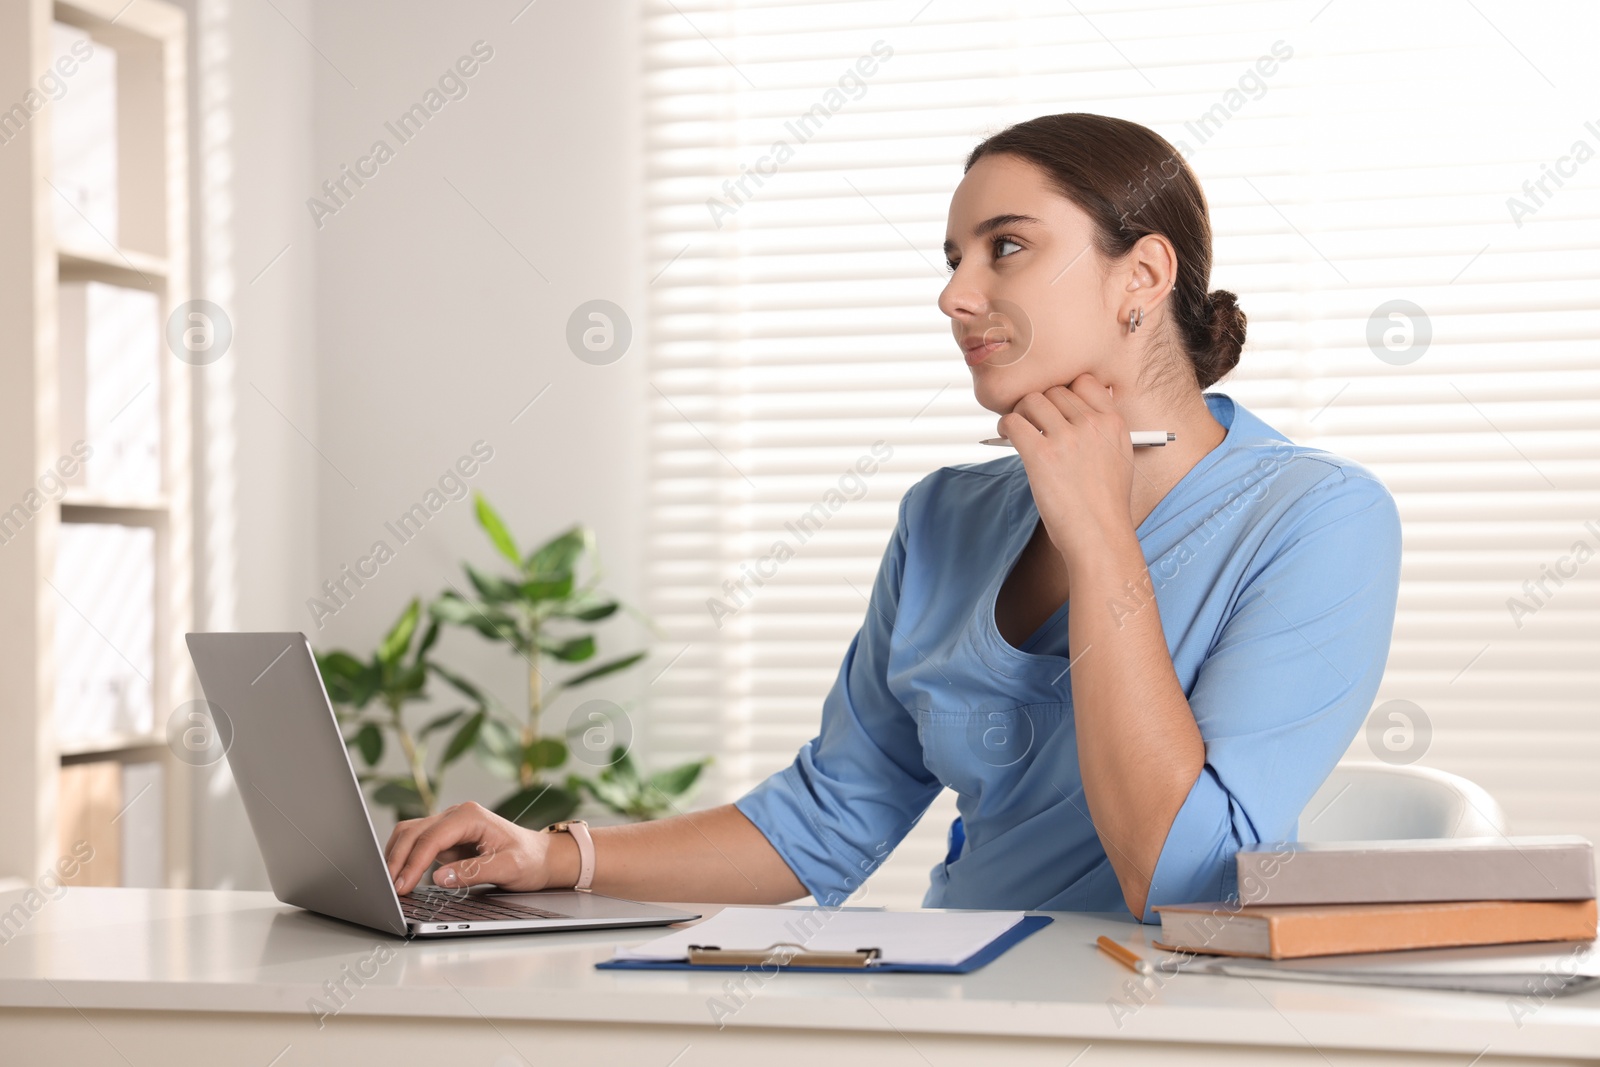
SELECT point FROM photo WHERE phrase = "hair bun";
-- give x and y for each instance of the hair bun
(1226, 322)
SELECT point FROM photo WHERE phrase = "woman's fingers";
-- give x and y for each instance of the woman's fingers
(464, 824)
(459, 852)
(1037, 412)
(492, 865)
(394, 853)
(1072, 407)
(1086, 404)
(1091, 392)
(1062, 405)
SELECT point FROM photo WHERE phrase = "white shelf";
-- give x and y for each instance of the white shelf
(117, 266)
(111, 746)
(157, 505)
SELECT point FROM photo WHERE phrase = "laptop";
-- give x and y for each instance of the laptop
(291, 765)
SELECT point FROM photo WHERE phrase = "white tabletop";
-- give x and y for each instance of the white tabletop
(205, 951)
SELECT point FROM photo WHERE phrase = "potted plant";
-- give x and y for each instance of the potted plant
(370, 700)
(543, 610)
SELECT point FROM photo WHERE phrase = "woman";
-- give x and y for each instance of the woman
(1232, 595)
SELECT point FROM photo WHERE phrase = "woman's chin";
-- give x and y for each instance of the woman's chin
(997, 396)
(999, 391)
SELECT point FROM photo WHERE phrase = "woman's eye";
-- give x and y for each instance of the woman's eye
(998, 244)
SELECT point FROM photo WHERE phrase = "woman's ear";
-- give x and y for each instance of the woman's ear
(1148, 272)
(1152, 266)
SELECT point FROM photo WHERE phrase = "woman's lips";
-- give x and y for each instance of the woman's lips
(977, 355)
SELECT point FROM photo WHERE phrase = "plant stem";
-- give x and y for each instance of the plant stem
(530, 732)
(419, 774)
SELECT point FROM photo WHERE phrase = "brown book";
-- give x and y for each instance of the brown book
(86, 826)
(1287, 931)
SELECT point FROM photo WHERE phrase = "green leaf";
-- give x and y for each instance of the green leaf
(617, 796)
(491, 622)
(463, 739)
(339, 665)
(538, 806)
(399, 639)
(369, 742)
(560, 553)
(545, 752)
(585, 609)
(452, 608)
(460, 684)
(354, 686)
(398, 793)
(499, 749)
(492, 525)
(676, 781)
(409, 683)
(596, 612)
(553, 587)
(429, 636)
(604, 669)
(440, 722)
(621, 768)
(576, 650)
(492, 589)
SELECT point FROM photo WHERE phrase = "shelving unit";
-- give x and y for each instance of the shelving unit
(45, 779)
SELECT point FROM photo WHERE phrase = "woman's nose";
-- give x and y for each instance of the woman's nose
(961, 301)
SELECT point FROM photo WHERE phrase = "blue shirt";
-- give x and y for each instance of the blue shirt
(1275, 568)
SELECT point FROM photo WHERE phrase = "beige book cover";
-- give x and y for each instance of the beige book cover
(1548, 867)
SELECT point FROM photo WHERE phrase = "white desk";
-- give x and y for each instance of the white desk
(156, 977)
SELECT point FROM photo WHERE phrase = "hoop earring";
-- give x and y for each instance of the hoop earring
(1135, 323)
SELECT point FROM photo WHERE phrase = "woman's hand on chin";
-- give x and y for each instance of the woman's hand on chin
(1076, 450)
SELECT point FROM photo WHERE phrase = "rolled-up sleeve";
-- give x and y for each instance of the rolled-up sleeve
(1288, 684)
(858, 787)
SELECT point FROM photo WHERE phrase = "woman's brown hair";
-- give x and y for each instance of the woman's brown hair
(1131, 182)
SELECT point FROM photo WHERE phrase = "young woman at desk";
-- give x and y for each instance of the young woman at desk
(1127, 662)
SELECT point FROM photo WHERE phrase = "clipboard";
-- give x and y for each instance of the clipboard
(791, 957)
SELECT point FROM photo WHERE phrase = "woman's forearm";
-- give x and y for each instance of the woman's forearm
(711, 856)
(1139, 748)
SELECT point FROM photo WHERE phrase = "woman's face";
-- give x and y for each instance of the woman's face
(1028, 280)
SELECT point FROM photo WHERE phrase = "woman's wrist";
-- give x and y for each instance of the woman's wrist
(1112, 556)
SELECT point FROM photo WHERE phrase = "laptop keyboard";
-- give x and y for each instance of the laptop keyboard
(435, 907)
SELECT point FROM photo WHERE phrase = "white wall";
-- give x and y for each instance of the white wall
(408, 326)
(433, 326)
(256, 478)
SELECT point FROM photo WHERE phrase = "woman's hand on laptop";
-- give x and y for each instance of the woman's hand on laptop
(477, 847)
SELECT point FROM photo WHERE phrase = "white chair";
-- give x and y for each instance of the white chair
(1377, 801)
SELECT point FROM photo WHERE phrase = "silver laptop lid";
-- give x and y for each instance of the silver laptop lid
(294, 774)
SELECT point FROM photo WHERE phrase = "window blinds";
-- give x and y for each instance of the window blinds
(800, 159)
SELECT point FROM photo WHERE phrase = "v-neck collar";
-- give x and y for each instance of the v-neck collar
(1020, 498)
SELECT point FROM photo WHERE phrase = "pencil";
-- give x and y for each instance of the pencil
(1127, 957)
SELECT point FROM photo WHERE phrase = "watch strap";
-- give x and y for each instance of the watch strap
(580, 835)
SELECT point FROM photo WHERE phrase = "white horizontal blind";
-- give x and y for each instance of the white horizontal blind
(795, 325)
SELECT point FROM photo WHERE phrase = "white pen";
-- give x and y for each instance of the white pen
(1141, 438)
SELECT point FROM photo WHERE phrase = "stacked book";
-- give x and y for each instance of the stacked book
(1329, 898)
